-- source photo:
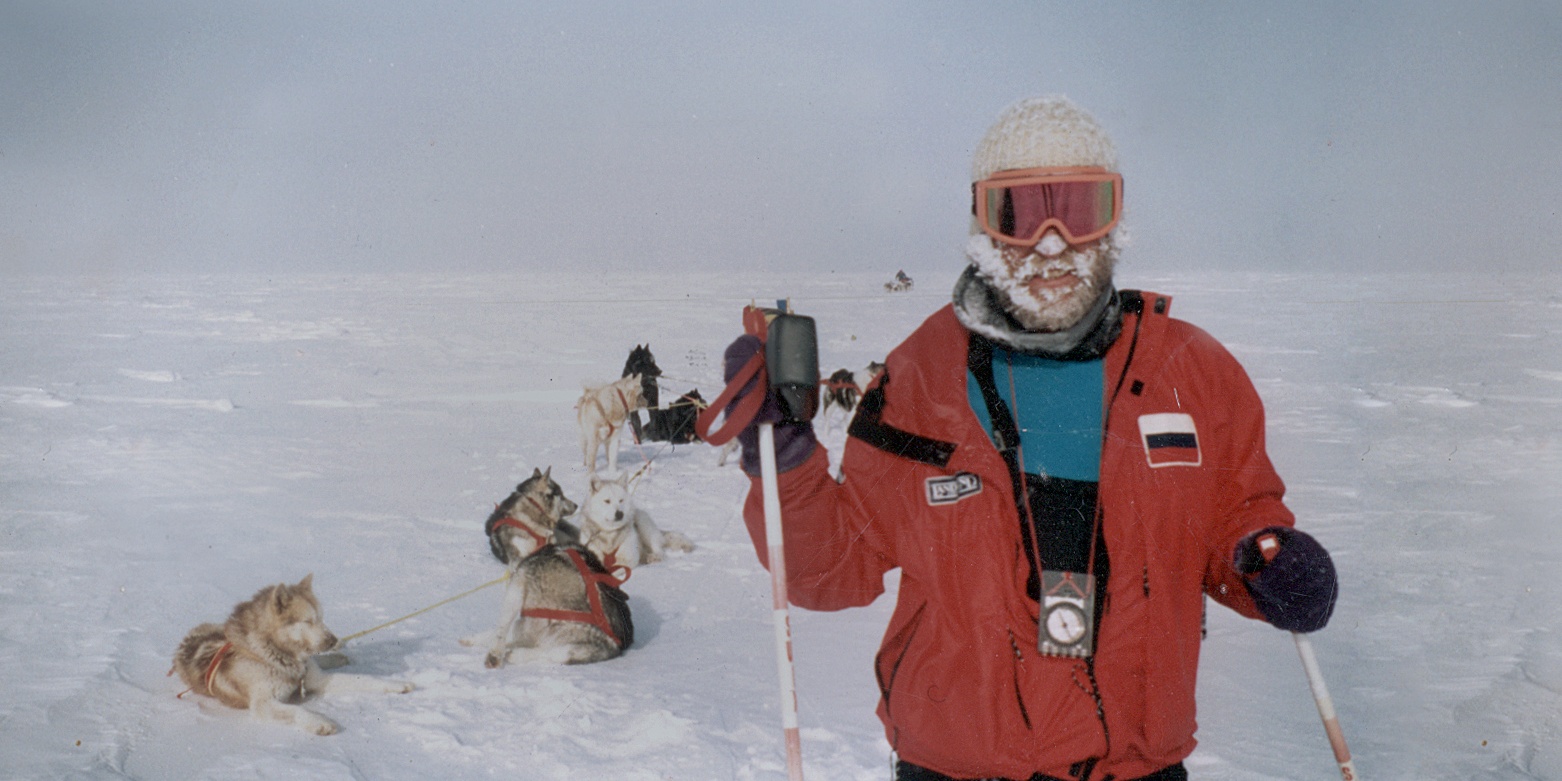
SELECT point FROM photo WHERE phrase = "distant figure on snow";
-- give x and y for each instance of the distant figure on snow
(899, 283)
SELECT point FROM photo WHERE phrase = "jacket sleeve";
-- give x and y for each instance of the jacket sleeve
(837, 548)
(1248, 493)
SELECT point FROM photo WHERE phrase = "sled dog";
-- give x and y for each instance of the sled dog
(643, 364)
(726, 451)
(530, 518)
(603, 412)
(621, 534)
(676, 423)
(845, 387)
(561, 606)
(262, 658)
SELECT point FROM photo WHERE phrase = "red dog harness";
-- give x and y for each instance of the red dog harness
(211, 671)
(613, 427)
(594, 580)
(541, 540)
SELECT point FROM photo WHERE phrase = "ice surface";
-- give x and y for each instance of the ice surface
(170, 444)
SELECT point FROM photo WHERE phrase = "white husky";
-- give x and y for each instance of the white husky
(262, 658)
(603, 412)
(621, 534)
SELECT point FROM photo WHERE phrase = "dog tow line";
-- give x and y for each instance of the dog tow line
(415, 613)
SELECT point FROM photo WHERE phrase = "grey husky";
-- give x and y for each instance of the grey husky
(529, 518)
(262, 658)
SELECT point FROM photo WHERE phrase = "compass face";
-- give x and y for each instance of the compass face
(1065, 623)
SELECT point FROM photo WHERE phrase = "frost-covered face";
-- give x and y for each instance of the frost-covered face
(1049, 287)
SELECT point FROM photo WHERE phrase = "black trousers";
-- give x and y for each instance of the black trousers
(905, 771)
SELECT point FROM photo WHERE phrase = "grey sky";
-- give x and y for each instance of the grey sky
(281, 136)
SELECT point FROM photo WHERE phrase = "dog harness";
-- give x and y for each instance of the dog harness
(541, 540)
(595, 579)
(613, 427)
(211, 670)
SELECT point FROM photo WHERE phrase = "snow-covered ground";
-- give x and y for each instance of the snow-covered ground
(169, 445)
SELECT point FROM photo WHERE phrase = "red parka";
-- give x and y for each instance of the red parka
(964, 691)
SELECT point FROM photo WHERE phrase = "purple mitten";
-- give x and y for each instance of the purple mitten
(1292, 582)
(794, 441)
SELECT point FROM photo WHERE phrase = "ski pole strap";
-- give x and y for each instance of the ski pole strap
(743, 413)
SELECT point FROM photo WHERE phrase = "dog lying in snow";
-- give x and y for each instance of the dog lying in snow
(603, 412)
(261, 659)
(560, 604)
(621, 534)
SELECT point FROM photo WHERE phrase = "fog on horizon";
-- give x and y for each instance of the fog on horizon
(401, 136)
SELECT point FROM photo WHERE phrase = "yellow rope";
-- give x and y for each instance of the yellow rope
(469, 592)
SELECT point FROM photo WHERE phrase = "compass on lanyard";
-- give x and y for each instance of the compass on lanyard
(1065, 623)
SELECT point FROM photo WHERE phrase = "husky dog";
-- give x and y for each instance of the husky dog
(561, 606)
(262, 658)
(603, 411)
(845, 387)
(900, 283)
(620, 534)
(642, 363)
(530, 518)
(676, 423)
(841, 391)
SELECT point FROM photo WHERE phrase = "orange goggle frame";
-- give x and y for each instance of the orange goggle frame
(1017, 207)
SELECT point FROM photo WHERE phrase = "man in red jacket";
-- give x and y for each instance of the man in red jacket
(1061, 472)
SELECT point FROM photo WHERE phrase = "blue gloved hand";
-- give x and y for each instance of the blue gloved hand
(1290, 577)
(795, 442)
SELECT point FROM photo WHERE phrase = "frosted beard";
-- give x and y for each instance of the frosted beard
(1044, 309)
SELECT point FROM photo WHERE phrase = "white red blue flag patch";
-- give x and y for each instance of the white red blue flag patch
(1170, 439)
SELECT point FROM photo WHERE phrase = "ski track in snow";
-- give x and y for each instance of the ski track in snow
(170, 445)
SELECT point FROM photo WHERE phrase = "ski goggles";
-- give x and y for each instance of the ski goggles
(1017, 207)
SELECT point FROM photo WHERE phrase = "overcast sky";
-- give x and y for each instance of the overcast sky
(387, 135)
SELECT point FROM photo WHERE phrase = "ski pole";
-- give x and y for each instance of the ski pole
(781, 614)
(1331, 722)
(1269, 547)
(788, 366)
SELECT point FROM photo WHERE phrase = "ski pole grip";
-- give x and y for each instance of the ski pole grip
(792, 360)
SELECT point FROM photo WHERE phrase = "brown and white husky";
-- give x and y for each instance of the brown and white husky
(261, 659)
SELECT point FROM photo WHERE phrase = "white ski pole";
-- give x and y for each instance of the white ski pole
(1331, 722)
(782, 614)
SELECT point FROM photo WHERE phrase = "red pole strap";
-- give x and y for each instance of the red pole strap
(743, 414)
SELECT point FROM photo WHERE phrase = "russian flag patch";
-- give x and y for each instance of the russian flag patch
(1170, 439)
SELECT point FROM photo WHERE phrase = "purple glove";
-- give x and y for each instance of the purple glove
(1293, 582)
(794, 441)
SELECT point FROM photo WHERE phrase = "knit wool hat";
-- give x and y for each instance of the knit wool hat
(1042, 132)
